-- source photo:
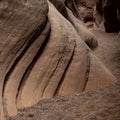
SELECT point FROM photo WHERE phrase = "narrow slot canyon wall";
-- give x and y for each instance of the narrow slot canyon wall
(45, 52)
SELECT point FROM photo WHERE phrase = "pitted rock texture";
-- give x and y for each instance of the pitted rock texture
(100, 105)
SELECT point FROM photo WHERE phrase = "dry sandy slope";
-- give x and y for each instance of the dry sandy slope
(109, 51)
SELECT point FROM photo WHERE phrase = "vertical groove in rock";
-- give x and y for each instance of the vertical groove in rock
(30, 67)
(16, 33)
(45, 76)
(20, 67)
(88, 68)
(62, 79)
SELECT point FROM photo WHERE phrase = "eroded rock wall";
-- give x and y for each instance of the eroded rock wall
(44, 54)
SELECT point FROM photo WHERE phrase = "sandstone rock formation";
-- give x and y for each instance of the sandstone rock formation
(18, 30)
(43, 54)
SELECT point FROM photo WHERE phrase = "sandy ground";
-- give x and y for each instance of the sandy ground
(109, 51)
